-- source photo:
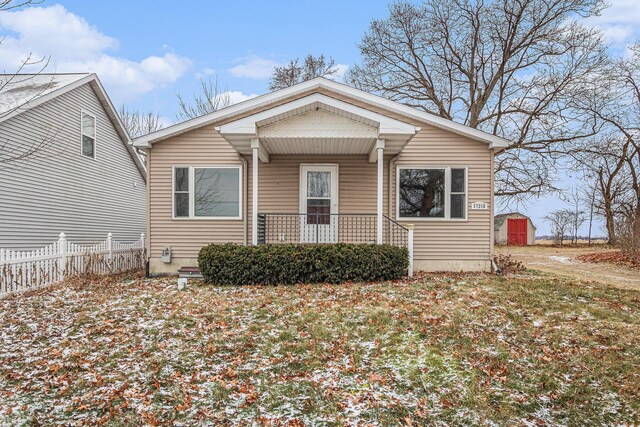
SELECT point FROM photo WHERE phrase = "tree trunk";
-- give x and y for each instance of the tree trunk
(611, 229)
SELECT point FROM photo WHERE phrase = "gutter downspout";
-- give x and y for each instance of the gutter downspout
(492, 212)
(245, 197)
(392, 162)
(495, 267)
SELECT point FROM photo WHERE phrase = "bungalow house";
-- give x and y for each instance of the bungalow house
(66, 164)
(322, 162)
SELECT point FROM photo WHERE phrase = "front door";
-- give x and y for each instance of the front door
(319, 203)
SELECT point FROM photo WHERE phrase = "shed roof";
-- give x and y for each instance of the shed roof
(499, 219)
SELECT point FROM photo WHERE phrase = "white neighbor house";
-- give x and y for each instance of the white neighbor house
(79, 175)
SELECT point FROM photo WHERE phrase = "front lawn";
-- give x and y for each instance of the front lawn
(531, 350)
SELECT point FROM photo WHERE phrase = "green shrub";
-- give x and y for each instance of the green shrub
(232, 264)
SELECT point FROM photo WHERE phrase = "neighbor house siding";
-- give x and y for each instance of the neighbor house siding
(57, 189)
(185, 237)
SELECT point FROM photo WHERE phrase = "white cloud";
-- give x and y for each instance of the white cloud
(207, 71)
(254, 67)
(619, 23)
(236, 96)
(76, 46)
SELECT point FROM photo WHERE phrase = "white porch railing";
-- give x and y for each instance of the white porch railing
(25, 270)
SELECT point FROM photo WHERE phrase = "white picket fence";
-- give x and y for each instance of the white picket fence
(21, 271)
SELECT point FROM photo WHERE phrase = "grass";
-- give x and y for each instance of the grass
(439, 350)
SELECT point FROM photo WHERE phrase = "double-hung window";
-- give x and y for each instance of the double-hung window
(212, 192)
(88, 131)
(432, 192)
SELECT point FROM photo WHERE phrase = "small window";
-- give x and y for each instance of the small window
(181, 193)
(88, 135)
(438, 193)
(458, 193)
(206, 192)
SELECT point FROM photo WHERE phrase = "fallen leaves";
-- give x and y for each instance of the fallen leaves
(449, 349)
(610, 257)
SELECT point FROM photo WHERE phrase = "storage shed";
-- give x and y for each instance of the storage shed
(514, 228)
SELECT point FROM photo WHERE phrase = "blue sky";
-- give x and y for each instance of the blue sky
(196, 39)
(146, 52)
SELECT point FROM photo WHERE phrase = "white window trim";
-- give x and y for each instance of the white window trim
(192, 216)
(447, 193)
(83, 113)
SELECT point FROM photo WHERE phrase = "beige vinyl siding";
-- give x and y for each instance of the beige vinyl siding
(58, 189)
(460, 243)
(457, 240)
(447, 240)
(201, 147)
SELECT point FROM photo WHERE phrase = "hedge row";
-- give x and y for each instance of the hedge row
(232, 264)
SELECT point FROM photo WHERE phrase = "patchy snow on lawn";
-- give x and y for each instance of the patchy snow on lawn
(561, 259)
(438, 350)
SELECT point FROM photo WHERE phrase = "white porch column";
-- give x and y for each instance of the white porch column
(255, 151)
(380, 150)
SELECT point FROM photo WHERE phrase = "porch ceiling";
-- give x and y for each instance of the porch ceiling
(317, 124)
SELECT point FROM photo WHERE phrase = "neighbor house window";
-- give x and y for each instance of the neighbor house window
(432, 192)
(88, 135)
(207, 192)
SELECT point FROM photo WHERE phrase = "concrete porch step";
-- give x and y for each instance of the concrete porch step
(189, 273)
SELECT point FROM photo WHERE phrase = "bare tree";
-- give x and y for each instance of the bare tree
(612, 158)
(506, 67)
(18, 89)
(15, 4)
(628, 232)
(211, 98)
(294, 73)
(137, 123)
(590, 196)
(578, 215)
(560, 221)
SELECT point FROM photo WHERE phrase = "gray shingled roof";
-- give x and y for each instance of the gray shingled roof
(18, 90)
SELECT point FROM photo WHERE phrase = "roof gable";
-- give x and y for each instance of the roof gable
(328, 86)
(317, 123)
(26, 91)
(240, 133)
(18, 91)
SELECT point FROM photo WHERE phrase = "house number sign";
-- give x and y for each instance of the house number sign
(479, 206)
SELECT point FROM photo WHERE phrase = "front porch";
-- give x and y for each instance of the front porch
(316, 168)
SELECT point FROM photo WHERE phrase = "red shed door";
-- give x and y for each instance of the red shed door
(517, 231)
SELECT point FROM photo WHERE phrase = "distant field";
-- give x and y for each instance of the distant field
(594, 241)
